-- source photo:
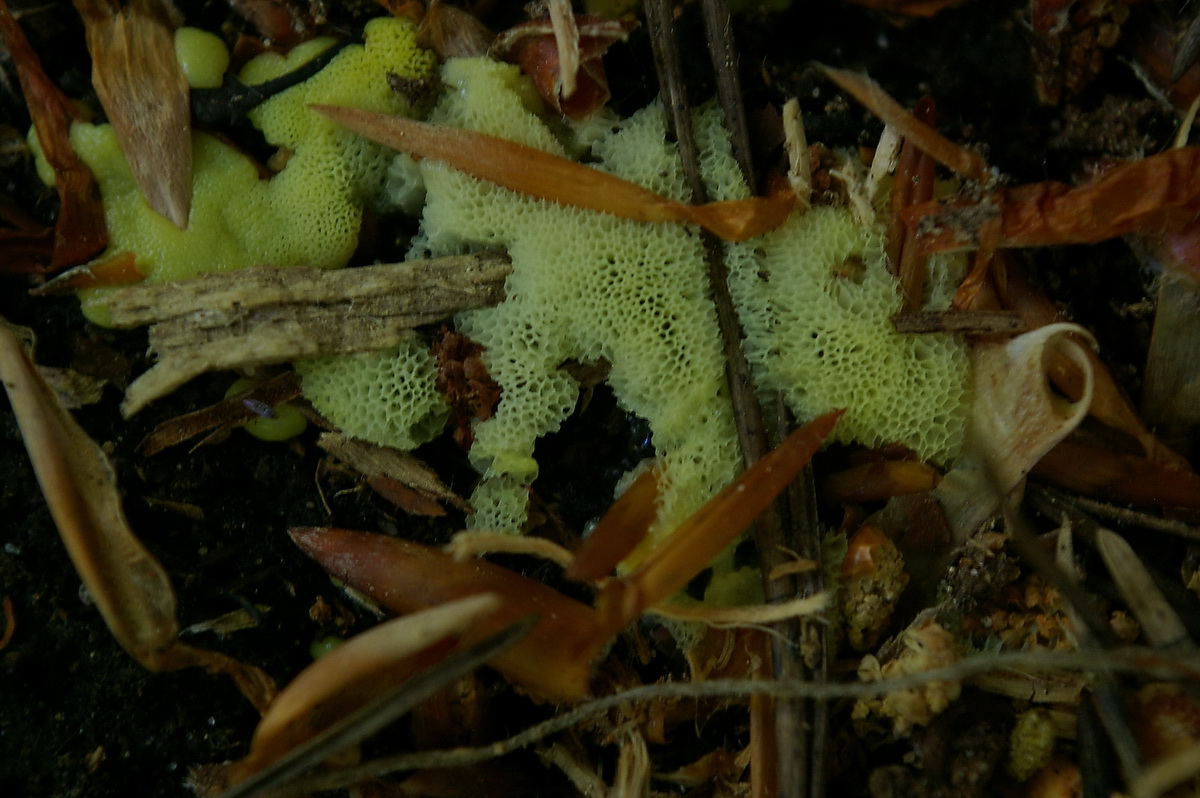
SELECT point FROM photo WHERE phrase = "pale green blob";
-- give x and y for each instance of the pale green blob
(287, 423)
(385, 397)
(203, 57)
(814, 297)
(309, 213)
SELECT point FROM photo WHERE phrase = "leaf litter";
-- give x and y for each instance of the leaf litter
(1111, 453)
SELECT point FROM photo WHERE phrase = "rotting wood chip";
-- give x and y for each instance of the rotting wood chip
(263, 315)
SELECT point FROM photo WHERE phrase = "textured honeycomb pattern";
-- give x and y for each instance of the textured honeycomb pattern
(815, 298)
(585, 286)
(385, 397)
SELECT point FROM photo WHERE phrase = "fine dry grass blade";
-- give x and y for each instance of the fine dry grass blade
(144, 93)
(953, 156)
(1160, 623)
(539, 174)
(130, 588)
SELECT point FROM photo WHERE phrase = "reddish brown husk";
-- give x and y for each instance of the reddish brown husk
(119, 268)
(706, 532)
(539, 174)
(531, 46)
(1118, 477)
(553, 661)
(871, 482)
(80, 231)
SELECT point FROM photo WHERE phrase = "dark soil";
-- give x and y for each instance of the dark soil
(80, 717)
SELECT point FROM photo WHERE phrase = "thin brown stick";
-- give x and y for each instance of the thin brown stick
(748, 415)
(718, 26)
(975, 322)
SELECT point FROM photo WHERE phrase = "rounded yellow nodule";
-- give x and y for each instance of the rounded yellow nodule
(203, 56)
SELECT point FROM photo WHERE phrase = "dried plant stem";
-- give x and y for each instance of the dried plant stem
(779, 777)
(718, 26)
(1053, 502)
(1143, 661)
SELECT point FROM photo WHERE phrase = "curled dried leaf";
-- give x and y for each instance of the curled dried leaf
(1016, 418)
(130, 588)
(356, 672)
(539, 174)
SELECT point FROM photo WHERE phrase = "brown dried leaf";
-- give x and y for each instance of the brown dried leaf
(705, 533)
(381, 462)
(355, 673)
(144, 93)
(224, 415)
(80, 231)
(536, 173)
(1118, 477)
(553, 661)
(130, 588)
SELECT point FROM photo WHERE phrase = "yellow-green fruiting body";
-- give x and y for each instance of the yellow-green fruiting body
(203, 57)
(815, 299)
(585, 286)
(814, 296)
(307, 214)
(385, 397)
(1031, 744)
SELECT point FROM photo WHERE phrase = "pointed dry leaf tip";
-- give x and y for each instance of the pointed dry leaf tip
(355, 673)
(943, 150)
(619, 531)
(1016, 417)
(130, 588)
(145, 94)
(705, 533)
(553, 661)
(539, 174)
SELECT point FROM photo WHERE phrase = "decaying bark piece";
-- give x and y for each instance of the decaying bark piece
(263, 315)
(129, 587)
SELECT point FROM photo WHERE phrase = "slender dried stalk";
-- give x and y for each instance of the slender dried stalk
(953, 156)
(1146, 662)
